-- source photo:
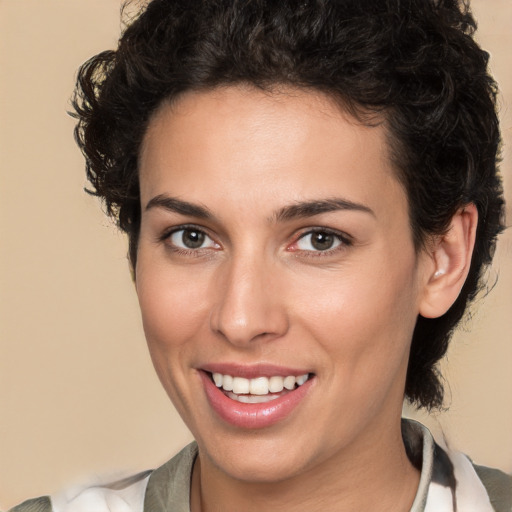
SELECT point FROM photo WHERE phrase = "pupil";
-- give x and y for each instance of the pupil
(192, 239)
(322, 241)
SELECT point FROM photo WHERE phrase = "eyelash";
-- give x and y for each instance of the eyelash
(344, 241)
(167, 235)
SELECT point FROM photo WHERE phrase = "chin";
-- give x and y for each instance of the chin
(260, 459)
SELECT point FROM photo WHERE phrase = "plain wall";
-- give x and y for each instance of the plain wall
(78, 394)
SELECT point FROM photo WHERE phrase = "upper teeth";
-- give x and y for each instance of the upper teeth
(259, 385)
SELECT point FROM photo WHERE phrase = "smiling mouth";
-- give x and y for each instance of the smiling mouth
(257, 390)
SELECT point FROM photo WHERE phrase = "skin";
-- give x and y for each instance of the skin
(257, 291)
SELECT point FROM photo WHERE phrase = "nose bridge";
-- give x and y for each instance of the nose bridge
(247, 305)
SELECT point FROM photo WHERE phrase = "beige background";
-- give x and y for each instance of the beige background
(78, 396)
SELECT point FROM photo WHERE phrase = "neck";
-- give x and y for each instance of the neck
(368, 475)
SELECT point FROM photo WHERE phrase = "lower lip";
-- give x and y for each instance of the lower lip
(253, 416)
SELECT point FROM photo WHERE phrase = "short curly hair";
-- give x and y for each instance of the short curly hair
(413, 62)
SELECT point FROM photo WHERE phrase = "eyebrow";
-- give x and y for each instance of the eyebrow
(301, 209)
(304, 209)
(175, 205)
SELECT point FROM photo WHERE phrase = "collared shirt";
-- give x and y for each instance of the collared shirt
(449, 482)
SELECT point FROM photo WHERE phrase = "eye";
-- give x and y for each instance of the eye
(319, 241)
(191, 239)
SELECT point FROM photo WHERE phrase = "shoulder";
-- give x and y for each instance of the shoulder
(170, 483)
(125, 495)
(146, 492)
(450, 480)
(474, 487)
(36, 505)
(498, 486)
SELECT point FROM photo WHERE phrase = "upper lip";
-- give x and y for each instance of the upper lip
(254, 370)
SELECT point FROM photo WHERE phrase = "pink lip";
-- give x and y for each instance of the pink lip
(254, 416)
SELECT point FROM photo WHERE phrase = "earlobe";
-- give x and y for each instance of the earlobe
(450, 257)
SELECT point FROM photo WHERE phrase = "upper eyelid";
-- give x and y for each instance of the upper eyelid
(343, 236)
(174, 229)
(318, 229)
(166, 236)
(346, 241)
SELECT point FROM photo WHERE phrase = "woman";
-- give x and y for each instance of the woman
(310, 202)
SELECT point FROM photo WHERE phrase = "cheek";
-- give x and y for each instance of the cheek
(173, 314)
(364, 320)
(173, 308)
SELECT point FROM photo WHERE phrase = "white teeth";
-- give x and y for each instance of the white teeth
(259, 386)
(275, 384)
(289, 382)
(241, 385)
(252, 399)
(301, 379)
(227, 382)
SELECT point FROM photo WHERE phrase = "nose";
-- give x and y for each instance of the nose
(250, 302)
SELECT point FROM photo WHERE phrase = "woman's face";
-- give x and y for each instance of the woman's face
(274, 243)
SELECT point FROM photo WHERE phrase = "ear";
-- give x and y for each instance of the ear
(449, 263)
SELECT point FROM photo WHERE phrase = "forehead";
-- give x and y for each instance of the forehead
(240, 140)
